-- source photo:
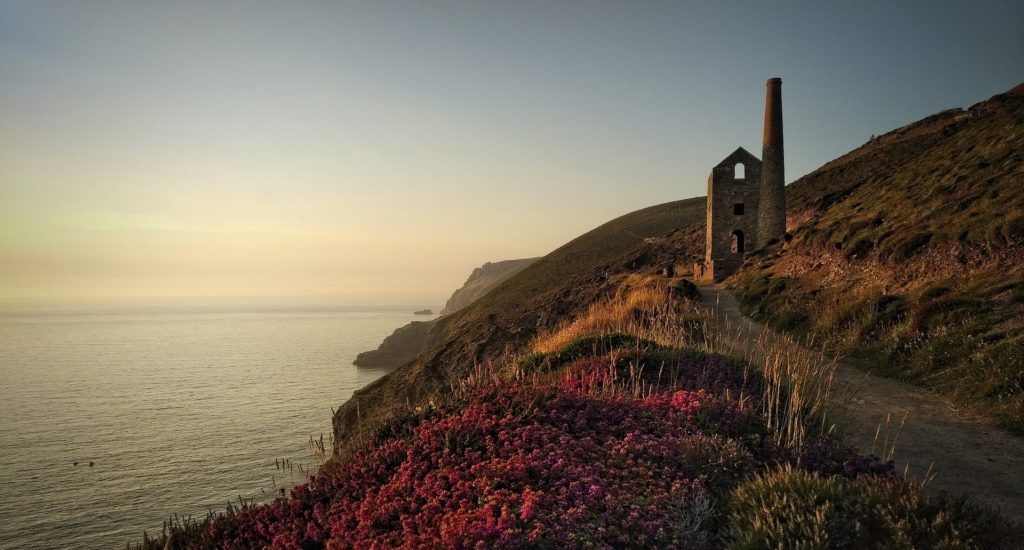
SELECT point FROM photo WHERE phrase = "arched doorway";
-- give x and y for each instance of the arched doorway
(737, 242)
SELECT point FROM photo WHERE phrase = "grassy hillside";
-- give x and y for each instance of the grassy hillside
(906, 254)
(621, 428)
(482, 280)
(560, 284)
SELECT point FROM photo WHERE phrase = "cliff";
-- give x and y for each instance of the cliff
(408, 341)
(400, 347)
(482, 280)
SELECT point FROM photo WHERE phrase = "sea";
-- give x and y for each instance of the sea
(115, 417)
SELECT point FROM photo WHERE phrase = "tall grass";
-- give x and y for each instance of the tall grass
(642, 312)
(797, 396)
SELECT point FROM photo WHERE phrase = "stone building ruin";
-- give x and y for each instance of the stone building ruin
(746, 198)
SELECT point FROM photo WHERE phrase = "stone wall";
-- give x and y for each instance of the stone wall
(733, 203)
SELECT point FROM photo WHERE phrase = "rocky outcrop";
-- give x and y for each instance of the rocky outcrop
(482, 280)
(406, 342)
(399, 348)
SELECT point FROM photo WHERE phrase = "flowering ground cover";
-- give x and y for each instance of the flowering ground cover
(612, 441)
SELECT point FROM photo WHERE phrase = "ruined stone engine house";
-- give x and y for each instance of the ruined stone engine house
(746, 198)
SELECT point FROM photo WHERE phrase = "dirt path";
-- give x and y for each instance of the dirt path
(965, 454)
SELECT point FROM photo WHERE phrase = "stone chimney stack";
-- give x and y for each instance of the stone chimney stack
(771, 218)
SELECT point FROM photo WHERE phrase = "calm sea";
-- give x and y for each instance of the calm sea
(180, 408)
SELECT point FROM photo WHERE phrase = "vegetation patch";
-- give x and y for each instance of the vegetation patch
(648, 438)
(909, 259)
(584, 346)
(781, 506)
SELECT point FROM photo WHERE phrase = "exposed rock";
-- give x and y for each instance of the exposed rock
(482, 280)
(684, 289)
(397, 349)
(408, 341)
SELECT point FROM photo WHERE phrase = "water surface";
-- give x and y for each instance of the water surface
(181, 408)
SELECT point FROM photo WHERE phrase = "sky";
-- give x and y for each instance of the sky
(385, 149)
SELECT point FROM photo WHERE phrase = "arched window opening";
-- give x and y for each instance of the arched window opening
(737, 242)
(737, 209)
(739, 171)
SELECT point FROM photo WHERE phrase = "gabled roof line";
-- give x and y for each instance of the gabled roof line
(738, 155)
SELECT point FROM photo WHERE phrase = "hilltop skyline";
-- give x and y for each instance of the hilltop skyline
(355, 150)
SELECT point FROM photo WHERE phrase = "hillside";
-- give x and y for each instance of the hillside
(406, 342)
(482, 280)
(907, 254)
(400, 347)
(561, 284)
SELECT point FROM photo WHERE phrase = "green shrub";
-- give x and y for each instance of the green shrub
(683, 289)
(860, 247)
(927, 313)
(585, 346)
(936, 291)
(791, 508)
(1013, 229)
(791, 320)
(757, 288)
(911, 246)
(765, 287)
(1018, 295)
(883, 313)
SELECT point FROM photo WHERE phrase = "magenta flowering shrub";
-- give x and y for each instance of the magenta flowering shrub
(666, 368)
(581, 458)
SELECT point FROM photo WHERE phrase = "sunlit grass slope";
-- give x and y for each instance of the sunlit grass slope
(908, 255)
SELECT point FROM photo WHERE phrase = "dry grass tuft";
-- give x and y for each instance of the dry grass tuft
(628, 312)
(797, 395)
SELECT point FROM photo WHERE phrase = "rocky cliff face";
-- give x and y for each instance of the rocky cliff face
(408, 341)
(482, 280)
(403, 344)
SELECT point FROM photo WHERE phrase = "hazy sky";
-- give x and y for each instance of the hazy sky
(379, 148)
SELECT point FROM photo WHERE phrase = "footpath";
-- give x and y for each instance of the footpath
(963, 454)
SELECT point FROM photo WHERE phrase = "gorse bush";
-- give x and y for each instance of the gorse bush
(582, 346)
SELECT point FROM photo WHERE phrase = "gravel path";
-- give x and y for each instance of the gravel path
(965, 454)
